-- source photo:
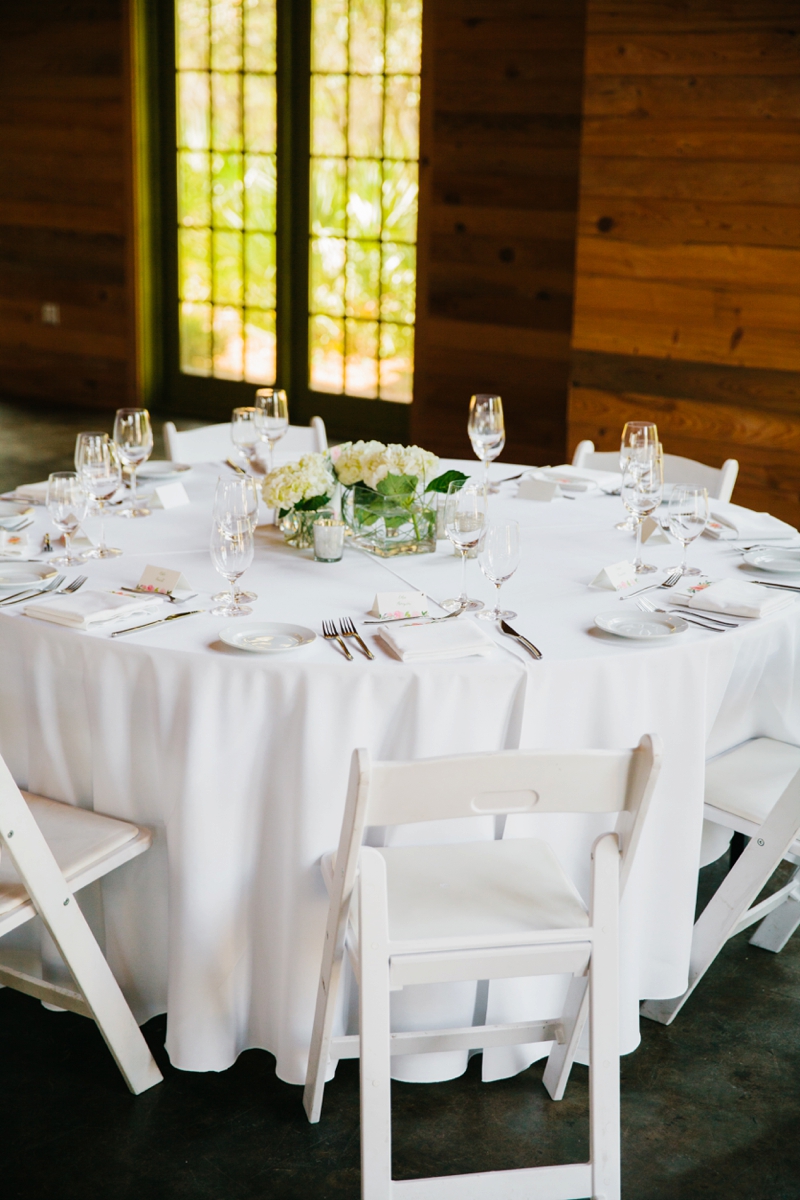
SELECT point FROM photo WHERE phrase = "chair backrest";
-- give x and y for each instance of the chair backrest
(212, 442)
(509, 781)
(718, 482)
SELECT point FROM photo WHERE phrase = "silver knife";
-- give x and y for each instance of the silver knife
(529, 646)
(160, 621)
(785, 587)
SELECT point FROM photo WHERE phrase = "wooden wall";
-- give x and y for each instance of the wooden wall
(688, 269)
(63, 173)
(499, 192)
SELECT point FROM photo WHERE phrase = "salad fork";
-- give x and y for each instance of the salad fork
(28, 594)
(669, 582)
(347, 629)
(329, 632)
(77, 582)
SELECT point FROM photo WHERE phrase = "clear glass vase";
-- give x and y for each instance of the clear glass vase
(297, 528)
(389, 525)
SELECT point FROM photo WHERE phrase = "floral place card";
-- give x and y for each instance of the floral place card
(617, 577)
(159, 579)
(400, 604)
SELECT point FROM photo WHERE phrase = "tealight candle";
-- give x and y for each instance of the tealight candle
(328, 539)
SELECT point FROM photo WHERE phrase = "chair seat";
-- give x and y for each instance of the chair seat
(748, 780)
(479, 889)
(77, 837)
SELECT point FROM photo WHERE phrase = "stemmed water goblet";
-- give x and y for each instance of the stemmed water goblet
(231, 554)
(246, 434)
(636, 437)
(642, 488)
(487, 431)
(100, 471)
(499, 559)
(67, 502)
(465, 518)
(273, 419)
(687, 517)
(133, 437)
(237, 497)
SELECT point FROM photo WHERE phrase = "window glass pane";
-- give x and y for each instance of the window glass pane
(227, 268)
(191, 32)
(259, 256)
(228, 343)
(366, 115)
(366, 36)
(329, 35)
(259, 35)
(329, 114)
(259, 346)
(400, 201)
(193, 110)
(401, 117)
(403, 36)
(259, 112)
(194, 264)
(326, 351)
(364, 198)
(361, 360)
(195, 338)
(327, 276)
(194, 190)
(227, 204)
(226, 111)
(398, 283)
(226, 35)
(363, 280)
(328, 195)
(260, 184)
(397, 362)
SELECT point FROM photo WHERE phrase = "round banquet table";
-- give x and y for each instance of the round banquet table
(239, 762)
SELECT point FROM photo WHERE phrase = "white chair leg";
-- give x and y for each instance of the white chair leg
(375, 1031)
(561, 1057)
(604, 1121)
(775, 930)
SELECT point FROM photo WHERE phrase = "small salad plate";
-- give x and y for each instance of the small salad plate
(641, 626)
(777, 561)
(267, 637)
(20, 575)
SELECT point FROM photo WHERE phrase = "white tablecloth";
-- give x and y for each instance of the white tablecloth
(240, 762)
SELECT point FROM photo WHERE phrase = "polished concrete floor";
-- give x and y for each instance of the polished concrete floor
(710, 1106)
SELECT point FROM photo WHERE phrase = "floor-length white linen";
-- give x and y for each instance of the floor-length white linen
(240, 762)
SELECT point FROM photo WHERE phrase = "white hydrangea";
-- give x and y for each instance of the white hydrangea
(370, 462)
(295, 481)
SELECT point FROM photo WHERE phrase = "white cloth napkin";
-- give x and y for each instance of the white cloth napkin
(581, 479)
(436, 642)
(740, 599)
(33, 493)
(729, 522)
(83, 609)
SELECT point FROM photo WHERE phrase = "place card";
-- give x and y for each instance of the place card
(172, 495)
(653, 533)
(617, 577)
(159, 579)
(400, 604)
(537, 489)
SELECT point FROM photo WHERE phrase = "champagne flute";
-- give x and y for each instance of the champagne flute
(487, 431)
(642, 486)
(499, 559)
(231, 554)
(100, 471)
(687, 517)
(246, 433)
(134, 440)
(67, 502)
(238, 497)
(635, 435)
(273, 408)
(465, 518)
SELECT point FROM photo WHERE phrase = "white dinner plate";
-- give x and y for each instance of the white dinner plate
(778, 562)
(18, 575)
(158, 469)
(641, 626)
(267, 637)
(13, 508)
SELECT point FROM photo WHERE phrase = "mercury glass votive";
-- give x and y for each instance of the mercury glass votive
(328, 537)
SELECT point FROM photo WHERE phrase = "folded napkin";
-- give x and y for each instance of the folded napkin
(730, 522)
(582, 479)
(82, 609)
(13, 545)
(738, 598)
(32, 493)
(436, 642)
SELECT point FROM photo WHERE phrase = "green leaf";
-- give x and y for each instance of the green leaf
(442, 482)
(397, 485)
(313, 504)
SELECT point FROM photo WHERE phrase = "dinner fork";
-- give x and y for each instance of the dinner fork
(329, 632)
(77, 582)
(648, 607)
(669, 582)
(26, 593)
(347, 629)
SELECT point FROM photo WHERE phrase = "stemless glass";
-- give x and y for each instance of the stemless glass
(636, 436)
(232, 554)
(133, 437)
(687, 517)
(642, 486)
(273, 419)
(246, 433)
(465, 518)
(487, 431)
(67, 503)
(100, 472)
(499, 559)
(238, 498)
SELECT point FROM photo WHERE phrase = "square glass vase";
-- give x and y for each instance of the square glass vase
(389, 525)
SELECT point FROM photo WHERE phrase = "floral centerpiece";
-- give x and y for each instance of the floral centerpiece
(297, 490)
(388, 495)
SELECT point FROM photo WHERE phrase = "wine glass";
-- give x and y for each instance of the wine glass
(487, 431)
(636, 435)
(100, 470)
(237, 497)
(499, 559)
(67, 502)
(273, 409)
(246, 433)
(642, 486)
(465, 518)
(232, 554)
(687, 518)
(134, 441)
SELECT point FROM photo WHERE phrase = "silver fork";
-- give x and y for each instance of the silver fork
(27, 594)
(648, 606)
(77, 582)
(329, 632)
(348, 629)
(669, 582)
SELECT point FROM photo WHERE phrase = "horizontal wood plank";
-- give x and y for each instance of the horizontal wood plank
(502, 222)
(719, 51)
(731, 182)
(652, 221)
(693, 138)
(754, 268)
(670, 97)
(47, 214)
(467, 336)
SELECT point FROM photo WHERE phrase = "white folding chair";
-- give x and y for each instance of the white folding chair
(753, 789)
(48, 851)
(480, 910)
(212, 442)
(718, 482)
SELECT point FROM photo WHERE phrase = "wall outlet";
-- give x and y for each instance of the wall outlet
(51, 314)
